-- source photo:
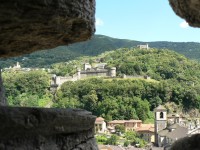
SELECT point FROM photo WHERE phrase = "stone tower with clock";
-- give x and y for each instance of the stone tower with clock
(160, 120)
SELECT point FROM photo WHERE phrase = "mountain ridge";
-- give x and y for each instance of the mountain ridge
(97, 45)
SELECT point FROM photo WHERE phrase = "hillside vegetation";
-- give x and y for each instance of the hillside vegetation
(97, 45)
(27, 88)
(177, 80)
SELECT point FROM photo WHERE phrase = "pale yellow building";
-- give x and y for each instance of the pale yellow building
(147, 132)
(129, 125)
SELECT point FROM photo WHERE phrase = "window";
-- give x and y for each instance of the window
(161, 115)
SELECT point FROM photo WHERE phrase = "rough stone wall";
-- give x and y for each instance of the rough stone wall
(30, 25)
(3, 101)
(187, 9)
(46, 129)
(187, 143)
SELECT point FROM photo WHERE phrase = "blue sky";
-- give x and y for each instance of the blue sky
(142, 20)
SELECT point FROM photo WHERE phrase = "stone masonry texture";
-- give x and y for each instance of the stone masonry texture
(30, 25)
(187, 143)
(188, 10)
(46, 129)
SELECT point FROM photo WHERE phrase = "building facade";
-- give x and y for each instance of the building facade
(147, 132)
(87, 71)
(146, 46)
(100, 125)
(160, 122)
(129, 125)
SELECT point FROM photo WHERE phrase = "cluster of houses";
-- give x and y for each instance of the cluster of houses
(166, 129)
(145, 130)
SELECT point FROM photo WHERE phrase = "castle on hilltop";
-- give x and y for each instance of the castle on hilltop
(88, 71)
(146, 46)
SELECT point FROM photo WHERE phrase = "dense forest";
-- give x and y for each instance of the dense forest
(174, 78)
(97, 45)
(27, 88)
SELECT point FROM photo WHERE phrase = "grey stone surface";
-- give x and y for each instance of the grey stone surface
(30, 25)
(187, 9)
(46, 129)
(3, 101)
(187, 143)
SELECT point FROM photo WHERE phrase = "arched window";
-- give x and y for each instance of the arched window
(161, 115)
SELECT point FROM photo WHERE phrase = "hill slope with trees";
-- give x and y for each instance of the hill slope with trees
(97, 45)
(176, 79)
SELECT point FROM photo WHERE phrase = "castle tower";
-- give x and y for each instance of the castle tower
(86, 66)
(147, 46)
(79, 73)
(160, 120)
(113, 72)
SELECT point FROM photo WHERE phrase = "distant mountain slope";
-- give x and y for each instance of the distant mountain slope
(97, 45)
(189, 49)
(100, 43)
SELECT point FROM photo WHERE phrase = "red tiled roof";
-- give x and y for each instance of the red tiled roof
(124, 121)
(145, 127)
(117, 121)
(99, 119)
(133, 121)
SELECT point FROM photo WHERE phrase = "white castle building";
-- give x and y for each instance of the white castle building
(87, 71)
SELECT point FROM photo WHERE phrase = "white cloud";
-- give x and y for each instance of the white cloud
(184, 24)
(99, 22)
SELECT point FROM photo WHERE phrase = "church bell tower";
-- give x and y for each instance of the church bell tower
(160, 120)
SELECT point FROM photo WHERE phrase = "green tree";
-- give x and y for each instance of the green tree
(130, 136)
(120, 128)
(126, 143)
(101, 139)
(113, 140)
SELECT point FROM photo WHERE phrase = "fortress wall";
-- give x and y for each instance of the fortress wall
(94, 74)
